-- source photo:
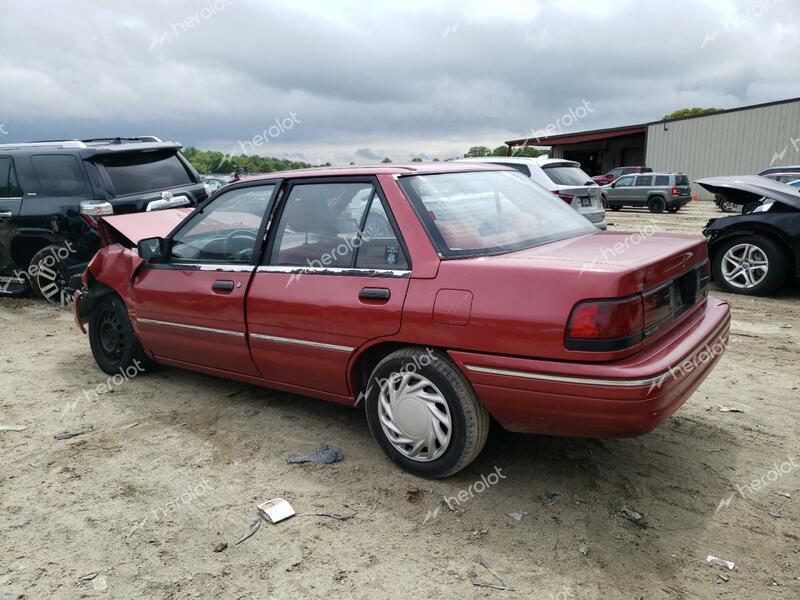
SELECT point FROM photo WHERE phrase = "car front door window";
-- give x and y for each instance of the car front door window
(226, 231)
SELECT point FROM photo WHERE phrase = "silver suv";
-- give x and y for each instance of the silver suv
(564, 178)
(656, 191)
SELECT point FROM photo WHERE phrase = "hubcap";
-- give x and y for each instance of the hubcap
(744, 266)
(414, 416)
(112, 336)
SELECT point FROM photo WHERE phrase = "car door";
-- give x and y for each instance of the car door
(621, 189)
(641, 189)
(190, 309)
(10, 204)
(334, 277)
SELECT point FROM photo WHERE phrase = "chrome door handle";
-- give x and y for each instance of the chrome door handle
(6, 214)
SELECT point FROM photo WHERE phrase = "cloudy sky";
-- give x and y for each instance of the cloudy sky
(357, 81)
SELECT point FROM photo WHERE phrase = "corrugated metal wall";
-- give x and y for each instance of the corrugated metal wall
(736, 143)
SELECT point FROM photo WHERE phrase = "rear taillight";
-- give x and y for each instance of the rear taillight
(675, 191)
(565, 197)
(606, 324)
(92, 210)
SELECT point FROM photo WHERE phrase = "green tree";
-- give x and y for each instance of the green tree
(477, 151)
(500, 151)
(386, 160)
(682, 113)
(416, 159)
(211, 161)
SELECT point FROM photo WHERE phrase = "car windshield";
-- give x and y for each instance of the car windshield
(567, 175)
(489, 212)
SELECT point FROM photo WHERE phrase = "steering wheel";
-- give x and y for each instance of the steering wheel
(232, 246)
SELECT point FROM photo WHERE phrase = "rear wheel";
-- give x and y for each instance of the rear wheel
(115, 347)
(48, 275)
(424, 414)
(656, 204)
(750, 264)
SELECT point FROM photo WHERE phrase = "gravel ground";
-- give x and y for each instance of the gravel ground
(170, 463)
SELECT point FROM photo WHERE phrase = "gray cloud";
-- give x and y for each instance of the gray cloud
(369, 79)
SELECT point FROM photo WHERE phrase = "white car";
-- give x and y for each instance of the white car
(564, 178)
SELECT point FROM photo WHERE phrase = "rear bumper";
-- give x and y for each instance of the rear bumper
(621, 399)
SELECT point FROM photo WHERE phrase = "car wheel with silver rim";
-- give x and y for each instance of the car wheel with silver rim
(48, 275)
(749, 264)
(424, 414)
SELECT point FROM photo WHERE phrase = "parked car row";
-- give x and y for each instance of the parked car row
(52, 193)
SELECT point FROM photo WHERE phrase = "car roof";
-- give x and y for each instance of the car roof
(519, 160)
(423, 168)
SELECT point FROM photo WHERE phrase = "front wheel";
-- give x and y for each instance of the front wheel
(424, 414)
(115, 347)
(750, 264)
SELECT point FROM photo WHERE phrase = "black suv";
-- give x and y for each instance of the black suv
(52, 193)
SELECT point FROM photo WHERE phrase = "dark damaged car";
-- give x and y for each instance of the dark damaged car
(754, 253)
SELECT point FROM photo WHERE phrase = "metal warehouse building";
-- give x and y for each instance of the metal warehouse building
(738, 141)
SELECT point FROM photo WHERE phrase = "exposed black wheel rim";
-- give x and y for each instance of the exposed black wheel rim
(112, 336)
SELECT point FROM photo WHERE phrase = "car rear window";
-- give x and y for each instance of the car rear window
(567, 175)
(137, 172)
(681, 180)
(662, 179)
(59, 174)
(489, 212)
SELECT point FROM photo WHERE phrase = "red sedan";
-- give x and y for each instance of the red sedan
(437, 295)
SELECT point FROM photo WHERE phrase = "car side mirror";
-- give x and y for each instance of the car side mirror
(152, 249)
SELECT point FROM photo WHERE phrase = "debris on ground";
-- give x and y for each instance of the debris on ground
(253, 528)
(517, 515)
(220, 547)
(65, 435)
(723, 408)
(324, 455)
(775, 514)
(131, 425)
(13, 427)
(276, 510)
(723, 577)
(332, 515)
(713, 560)
(88, 576)
(250, 412)
(99, 584)
(413, 493)
(551, 495)
(583, 548)
(499, 583)
(785, 494)
(633, 516)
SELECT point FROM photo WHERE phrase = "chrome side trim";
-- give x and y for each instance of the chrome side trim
(567, 379)
(214, 267)
(333, 271)
(192, 327)
(283, 340)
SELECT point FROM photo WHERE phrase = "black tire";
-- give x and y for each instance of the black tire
(777, 269)
(469, 418)
(115, 347)
(656, 204)
(615, 207)
(750, 207)
(48, 275)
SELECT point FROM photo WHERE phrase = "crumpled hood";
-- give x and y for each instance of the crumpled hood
(139, 226)
(743, 189)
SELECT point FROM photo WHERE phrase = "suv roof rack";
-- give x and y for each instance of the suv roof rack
(83, 144)
(46, 144)
(122, 140)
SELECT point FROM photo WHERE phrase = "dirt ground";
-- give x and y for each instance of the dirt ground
(172, 463)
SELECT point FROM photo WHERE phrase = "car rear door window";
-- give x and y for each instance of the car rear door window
(138, 172)
(225, 231)
(379, 247)
(9, 187)
(662, 180)
(644, 181)
(59, 174)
